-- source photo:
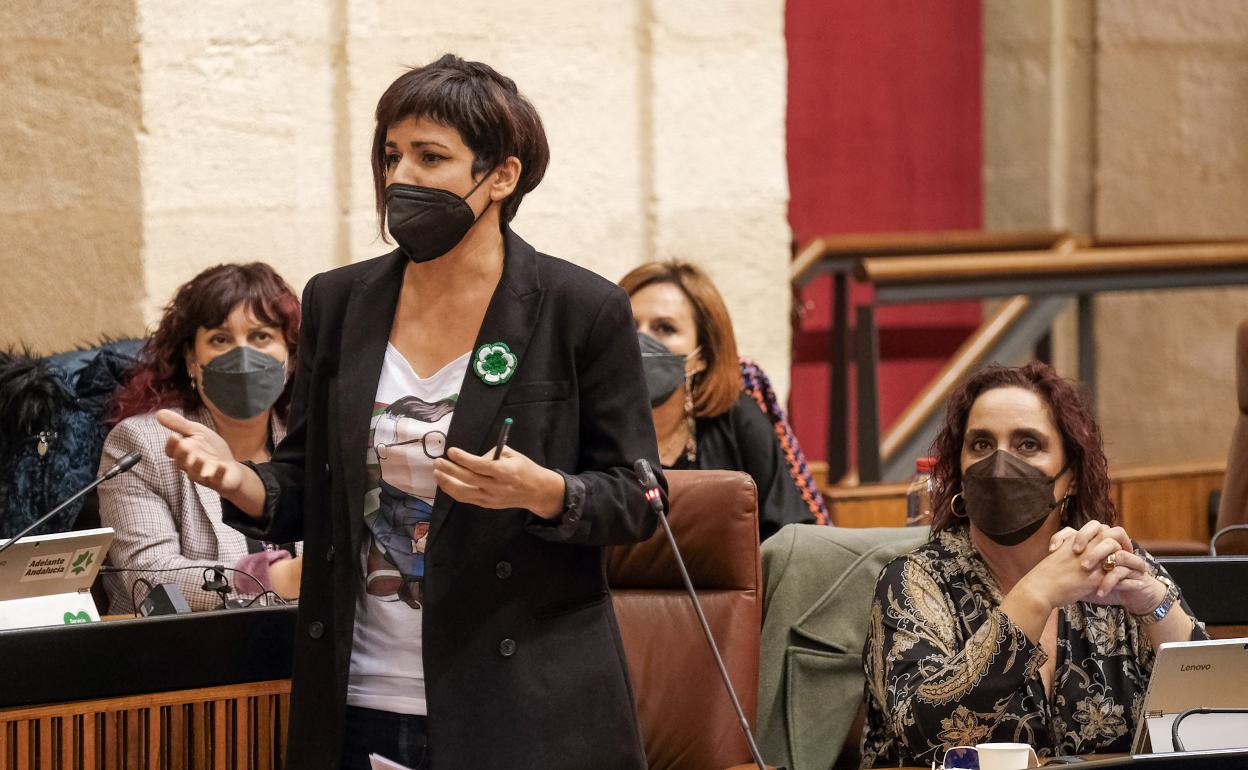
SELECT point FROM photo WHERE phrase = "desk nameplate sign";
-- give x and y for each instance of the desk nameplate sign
(45, 580)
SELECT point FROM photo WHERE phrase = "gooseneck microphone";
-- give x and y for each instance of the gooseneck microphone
(121, 466)
(650, 485)
(1174, 726)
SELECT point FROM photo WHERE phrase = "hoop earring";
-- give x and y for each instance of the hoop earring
(953, 506)
(691, 427)
(1066, 503)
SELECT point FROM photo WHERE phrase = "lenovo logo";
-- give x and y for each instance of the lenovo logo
(1197, 667)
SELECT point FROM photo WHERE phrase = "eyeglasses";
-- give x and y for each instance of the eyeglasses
(958, 758)
(433, 442)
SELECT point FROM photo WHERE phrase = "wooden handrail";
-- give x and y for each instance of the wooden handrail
(937, 390)
(890, 245)
(1078, 261)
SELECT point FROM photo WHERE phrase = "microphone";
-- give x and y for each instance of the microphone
(1213, 541)
(650, 485)
(121, 466)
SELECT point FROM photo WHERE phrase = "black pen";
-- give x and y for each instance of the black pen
(502, 438)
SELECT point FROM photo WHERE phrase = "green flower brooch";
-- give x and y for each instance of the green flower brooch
(494, 363)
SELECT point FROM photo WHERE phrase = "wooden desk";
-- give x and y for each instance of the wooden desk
(191, 692)
(240, 727)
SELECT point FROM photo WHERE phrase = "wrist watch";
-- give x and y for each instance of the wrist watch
(1167, 601)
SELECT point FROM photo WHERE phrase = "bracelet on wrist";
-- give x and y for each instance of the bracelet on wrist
(1163, 607)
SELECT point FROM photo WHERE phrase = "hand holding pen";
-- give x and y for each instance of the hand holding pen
(502, 478)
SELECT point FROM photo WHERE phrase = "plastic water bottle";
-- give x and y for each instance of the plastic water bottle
(919, 495)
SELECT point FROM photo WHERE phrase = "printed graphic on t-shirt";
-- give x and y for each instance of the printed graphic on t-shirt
(405, 437)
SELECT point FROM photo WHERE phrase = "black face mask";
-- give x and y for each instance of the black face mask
(243, 382)
(428, 222)
(1006, 498)
(665, 371)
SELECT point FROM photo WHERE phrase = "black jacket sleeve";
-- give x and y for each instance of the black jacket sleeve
(282, 476)
(605, 504)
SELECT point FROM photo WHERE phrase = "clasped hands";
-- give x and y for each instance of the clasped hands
(1097, 563)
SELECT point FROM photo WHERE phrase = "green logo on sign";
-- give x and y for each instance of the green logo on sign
(81, 563)
(81, 617)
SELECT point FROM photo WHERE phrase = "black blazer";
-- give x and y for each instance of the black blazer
(523, 662)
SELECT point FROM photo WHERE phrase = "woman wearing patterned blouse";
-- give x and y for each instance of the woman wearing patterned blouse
(1030, 616)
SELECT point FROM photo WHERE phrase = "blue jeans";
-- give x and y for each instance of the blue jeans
(398, 737)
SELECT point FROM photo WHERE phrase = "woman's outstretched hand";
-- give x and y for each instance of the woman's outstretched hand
(511, 481)
(200, 453)
(204, 456)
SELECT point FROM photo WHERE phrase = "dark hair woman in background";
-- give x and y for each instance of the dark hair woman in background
(220, 357)
(702, 417)
(1030, 616)
(454, 609)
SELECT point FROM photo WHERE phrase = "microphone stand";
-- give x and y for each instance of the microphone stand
(121, 466)
(1213, 541)
(1174, 726)
(651, 486)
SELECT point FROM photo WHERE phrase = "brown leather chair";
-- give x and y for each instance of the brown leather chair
(1234, 506)
(687, 720)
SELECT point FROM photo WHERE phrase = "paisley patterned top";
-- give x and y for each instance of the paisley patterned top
(945, 667)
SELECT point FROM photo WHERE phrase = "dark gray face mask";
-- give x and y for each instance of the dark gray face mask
(1006, 498)
(243, 382)
(665, 371)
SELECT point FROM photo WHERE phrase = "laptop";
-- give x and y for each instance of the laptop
(1188, 675)
(46, 579)
(1213, 586)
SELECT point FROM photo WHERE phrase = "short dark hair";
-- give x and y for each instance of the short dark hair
(487, 110)
(1072, 415)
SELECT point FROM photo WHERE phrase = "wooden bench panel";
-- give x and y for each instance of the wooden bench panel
(236, 727)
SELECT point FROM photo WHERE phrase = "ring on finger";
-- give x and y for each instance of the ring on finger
(1109, 563)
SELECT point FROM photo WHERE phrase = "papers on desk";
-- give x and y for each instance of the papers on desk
(378, 762)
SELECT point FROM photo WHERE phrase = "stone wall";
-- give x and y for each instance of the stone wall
(70, 202)
(247, 127)
(1130, 118)
(1172, 125)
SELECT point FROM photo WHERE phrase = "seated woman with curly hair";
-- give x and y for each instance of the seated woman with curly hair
(222, 356)
(1030, 616)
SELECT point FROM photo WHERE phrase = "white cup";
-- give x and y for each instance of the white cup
(1005, 756)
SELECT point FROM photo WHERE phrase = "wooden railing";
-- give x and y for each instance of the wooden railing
(813, 258)
(1070, 262)
(839, 255)
(934, 395)
(236, 727)
(1039, 273)
(1164, 503)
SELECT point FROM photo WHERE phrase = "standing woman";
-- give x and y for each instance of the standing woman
(454, 611)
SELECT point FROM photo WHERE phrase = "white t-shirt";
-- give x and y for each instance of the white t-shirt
(411, 418)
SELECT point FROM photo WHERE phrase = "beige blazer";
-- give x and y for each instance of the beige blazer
(163, 521)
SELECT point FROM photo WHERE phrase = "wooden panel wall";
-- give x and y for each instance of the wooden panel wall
(1156, 503)
(237, 727)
